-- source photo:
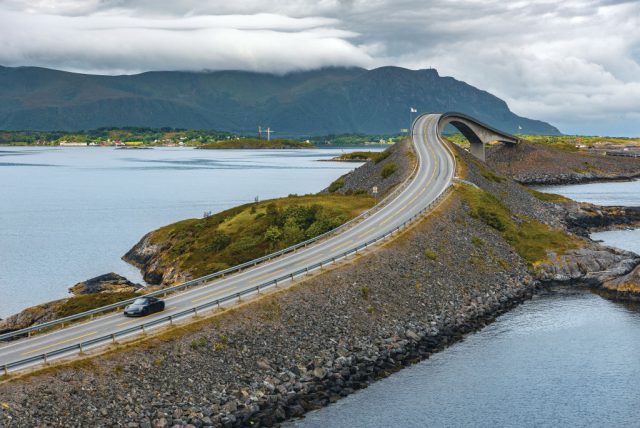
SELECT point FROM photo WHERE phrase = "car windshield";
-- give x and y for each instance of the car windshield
(140, 302)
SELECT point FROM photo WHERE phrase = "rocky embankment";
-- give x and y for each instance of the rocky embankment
(309, 345)
(538, 164)
(370, 174)
(584, 218)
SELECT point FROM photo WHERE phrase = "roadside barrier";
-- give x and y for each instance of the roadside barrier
(79, 348)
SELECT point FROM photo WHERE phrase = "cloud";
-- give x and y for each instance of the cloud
(574, 63)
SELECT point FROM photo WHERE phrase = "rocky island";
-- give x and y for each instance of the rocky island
(256, 144)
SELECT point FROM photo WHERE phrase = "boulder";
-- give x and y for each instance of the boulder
(107, 283)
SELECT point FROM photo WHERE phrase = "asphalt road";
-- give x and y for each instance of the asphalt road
(435, 173)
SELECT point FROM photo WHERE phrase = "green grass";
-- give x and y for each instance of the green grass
(376, 157)
(78, 304)
(477, 242)
(547, 197)
(336, 185)
(388, 169)
(430, 254)
(254, 143)
(530, 238)
(240, 234)
(492, 176)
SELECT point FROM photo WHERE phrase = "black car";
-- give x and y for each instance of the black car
(144, 306)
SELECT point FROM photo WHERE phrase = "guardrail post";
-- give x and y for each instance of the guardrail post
(170, 319)
(80, 346)
(44, 356)
(144, 331)
(275, 282)
(195, 311)
(5, 370)
(113, 338)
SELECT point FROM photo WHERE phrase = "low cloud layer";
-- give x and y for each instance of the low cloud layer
(573, 63)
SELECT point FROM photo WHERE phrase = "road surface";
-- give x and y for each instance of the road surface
(434, 174)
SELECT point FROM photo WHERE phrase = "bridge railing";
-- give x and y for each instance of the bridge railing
(81, 347)
(207, 278)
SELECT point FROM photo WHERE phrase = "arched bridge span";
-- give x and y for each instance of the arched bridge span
(475, 131)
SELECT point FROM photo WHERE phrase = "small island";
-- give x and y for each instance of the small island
(254, 143)
(376, 157)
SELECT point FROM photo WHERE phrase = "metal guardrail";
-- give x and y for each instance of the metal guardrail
(203, 279)
(142, 328)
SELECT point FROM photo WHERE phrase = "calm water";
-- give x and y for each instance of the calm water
(68, 214)
(565, 358)
(623, 193)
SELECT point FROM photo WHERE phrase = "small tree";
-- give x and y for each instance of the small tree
(273, 235)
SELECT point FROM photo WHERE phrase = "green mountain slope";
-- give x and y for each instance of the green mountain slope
(331, 100)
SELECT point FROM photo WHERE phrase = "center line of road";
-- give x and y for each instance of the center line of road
(337, 247)
(208, 296)
(33, 351)
(269, 274)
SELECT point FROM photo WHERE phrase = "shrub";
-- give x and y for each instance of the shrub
(364, 291)
(219, 241)
(199, 343)
(430, 254)
(477, 242)
(388, 169)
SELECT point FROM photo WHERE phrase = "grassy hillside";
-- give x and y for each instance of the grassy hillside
(234, 236)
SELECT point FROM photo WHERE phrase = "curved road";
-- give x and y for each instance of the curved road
(434, 174)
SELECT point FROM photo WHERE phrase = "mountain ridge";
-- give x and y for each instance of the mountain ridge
(323, 101)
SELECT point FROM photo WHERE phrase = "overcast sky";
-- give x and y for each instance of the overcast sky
(574, 63)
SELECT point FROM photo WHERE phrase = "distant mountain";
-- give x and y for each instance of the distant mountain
(325, 101)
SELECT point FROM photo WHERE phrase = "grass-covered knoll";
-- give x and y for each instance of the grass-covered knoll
(78, 304)
(547, 197)
(376, 157)
(530, 238)
(254, 143)
(240, 234)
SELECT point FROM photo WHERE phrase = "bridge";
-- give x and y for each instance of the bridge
(433, 175)
(478, 133)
